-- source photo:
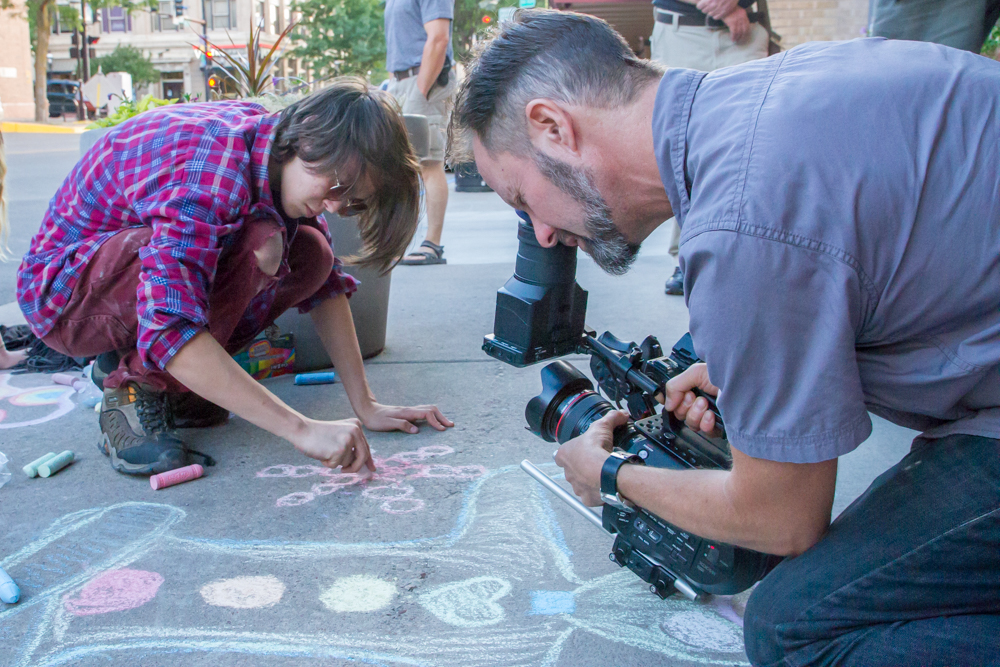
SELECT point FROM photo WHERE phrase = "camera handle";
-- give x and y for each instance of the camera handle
(682, 586)
(622, 365)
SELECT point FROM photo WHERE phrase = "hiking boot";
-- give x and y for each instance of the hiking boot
(137, 432)
(675, 284)
(190, 410)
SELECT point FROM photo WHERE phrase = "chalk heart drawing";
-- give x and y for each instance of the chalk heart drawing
(244, 592)
(389, 485)
(56, 398)
(502, 590)
(468, 604)
(705, 631)
(358, 593)
(117, 590)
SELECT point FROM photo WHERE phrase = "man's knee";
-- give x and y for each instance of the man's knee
(776, 601)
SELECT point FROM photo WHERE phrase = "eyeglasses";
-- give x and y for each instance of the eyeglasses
(353, 207)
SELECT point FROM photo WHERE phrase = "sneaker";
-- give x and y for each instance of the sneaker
(190, 410)
(675, 285)
(137, 432)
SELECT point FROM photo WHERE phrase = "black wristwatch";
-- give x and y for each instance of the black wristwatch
(609, 478)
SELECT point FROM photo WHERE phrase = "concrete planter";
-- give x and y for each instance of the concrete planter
(91, 137)
(369, 305)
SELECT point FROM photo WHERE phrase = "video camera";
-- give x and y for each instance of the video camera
(540, 315)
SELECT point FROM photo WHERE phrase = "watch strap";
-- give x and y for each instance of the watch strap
(609, 477)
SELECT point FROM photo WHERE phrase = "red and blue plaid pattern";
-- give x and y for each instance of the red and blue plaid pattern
(195, 174)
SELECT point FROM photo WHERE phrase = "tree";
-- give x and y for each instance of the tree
(40, 15)
(340, 36)
(127, 58)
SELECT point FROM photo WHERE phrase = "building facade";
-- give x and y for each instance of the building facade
(172, 46)
(17, 100)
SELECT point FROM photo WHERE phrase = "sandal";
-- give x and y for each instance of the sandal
(427, 253)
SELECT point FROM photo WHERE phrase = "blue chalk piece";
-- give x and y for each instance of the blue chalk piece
(550, 603)
(323, 377)
(9, 592)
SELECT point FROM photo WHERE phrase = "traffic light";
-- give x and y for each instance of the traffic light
(487, 19)
(92, 40)
(178, 8)
(213, 81)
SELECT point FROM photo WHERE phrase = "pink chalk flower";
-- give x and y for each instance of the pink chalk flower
(114, 590)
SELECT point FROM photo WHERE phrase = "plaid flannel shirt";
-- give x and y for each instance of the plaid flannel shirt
(195, 174)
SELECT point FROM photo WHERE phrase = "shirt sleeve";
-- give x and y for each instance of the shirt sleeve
(776, 325)
(196, 205)
(436, 9)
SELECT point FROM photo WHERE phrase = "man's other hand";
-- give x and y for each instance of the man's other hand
(682, 401)
(584, 456)
(717, 9)
(738, 23)
(336, 444)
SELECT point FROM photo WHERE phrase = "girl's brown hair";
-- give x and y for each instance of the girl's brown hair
(350, 123)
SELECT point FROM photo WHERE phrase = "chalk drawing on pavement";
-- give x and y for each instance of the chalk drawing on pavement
(114, 590)
(358, 593)
(244, 592)
(392, 483)
(39, 404)
(501, 588)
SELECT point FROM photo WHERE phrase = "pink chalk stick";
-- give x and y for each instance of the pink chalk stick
(177, 476)
(65, 378)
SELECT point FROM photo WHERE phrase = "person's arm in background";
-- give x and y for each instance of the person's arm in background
(728, 11)
(332, 318)
(435, 50)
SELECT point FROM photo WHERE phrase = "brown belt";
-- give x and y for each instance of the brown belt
(406, 73)
(664, 16)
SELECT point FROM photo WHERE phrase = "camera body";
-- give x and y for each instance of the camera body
(540, 315)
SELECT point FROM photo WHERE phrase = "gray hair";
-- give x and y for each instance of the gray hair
(563, 56)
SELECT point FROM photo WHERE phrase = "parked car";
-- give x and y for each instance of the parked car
(63, 97)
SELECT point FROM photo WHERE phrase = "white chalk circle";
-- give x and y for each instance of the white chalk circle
(358, 593)
(704, 631)
(468, 604)
(244, 592)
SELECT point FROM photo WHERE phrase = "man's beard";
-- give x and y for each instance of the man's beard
(607, 246)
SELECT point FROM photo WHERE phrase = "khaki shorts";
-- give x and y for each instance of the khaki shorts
(437, 109)
(705, 49)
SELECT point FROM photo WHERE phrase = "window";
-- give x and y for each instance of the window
(221, 15)
(275, 20)
(163, 17)
(116, 19)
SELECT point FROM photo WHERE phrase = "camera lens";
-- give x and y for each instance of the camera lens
(567, 405)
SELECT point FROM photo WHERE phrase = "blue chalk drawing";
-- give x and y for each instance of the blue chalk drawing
(550, 603)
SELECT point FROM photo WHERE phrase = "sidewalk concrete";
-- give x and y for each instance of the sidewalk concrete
(451, 556)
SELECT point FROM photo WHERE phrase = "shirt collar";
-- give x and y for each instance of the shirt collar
(260, 155)
(672, 112)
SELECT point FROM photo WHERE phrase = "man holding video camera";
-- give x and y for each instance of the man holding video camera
(840, 217)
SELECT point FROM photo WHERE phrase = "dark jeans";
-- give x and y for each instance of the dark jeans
(962, 24)
(101, 314)
(909, 574)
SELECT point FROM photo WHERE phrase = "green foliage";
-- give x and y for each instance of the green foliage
(991, 47)
(127, 58)
(128, 109)
(338, 37)
(251, 72)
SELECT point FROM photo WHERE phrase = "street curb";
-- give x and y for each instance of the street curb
(40, 128)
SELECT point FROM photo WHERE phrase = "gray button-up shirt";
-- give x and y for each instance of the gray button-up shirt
(840, 214)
